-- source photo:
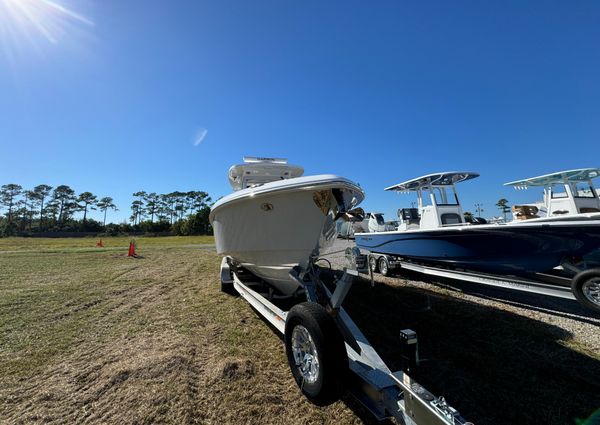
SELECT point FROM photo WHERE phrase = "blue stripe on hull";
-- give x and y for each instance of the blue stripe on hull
(501, 250)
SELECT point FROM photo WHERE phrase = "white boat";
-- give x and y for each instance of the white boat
(568, 195)
(373, 222)
(369, 222)
(276, 219)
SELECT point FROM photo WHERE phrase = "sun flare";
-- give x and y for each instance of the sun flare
(35, 21)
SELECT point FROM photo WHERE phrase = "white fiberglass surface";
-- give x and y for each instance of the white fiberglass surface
(298, 182)
(318, 182)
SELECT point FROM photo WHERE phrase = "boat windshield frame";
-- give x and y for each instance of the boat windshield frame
(443, 192)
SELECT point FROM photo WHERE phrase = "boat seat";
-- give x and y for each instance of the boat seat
(525, 212)
(588, 210)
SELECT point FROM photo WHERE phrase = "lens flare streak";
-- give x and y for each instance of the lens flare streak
(29, 20)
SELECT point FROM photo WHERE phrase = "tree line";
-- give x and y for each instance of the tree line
(182, 213)
(48, 210)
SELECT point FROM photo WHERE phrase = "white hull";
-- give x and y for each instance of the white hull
(274, 227)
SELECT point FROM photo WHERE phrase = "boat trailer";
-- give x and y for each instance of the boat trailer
(583, 285)
(329, 355)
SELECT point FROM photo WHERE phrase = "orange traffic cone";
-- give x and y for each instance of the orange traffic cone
(131, 250)
(100, 244)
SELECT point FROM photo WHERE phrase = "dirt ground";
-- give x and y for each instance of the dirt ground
(96, 337)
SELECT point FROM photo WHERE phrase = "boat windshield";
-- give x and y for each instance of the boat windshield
(578, 189)
(583, 190)
(444, 196)
(558, 195)
(379, 219)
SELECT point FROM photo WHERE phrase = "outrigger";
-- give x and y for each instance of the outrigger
(328, 354)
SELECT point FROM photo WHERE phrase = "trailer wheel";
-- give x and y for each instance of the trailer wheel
(586, 288)
(384, 267)
(373, 263)
(316, 353)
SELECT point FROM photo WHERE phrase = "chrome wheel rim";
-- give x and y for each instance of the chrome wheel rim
(373, 264)
(383, 267)
(591, 290)
(305, 354)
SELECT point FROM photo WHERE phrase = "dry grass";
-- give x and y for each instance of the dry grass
(89, 243)
(91, 336)
(96, 337)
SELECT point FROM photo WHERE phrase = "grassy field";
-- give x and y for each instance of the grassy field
(97, 337)
(88, 243)
(88, 335)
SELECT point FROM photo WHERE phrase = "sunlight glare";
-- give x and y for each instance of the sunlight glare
(30, 20)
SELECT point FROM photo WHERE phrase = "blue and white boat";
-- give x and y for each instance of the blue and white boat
(436, 233)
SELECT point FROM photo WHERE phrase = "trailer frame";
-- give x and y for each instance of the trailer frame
(383, 392)
(548, 284)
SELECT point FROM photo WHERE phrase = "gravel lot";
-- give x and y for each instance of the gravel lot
(498, 356)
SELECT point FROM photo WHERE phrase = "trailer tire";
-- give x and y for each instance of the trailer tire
(311, 334)
(384, 267)
(373, 263)
(586, 288)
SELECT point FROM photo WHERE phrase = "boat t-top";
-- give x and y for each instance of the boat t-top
(568, 195)
(438, 203)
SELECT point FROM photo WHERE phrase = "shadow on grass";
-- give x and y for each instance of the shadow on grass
(494, 366)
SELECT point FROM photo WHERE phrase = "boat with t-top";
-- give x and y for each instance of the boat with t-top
(277, 219)
(567, 195)
(436, 233)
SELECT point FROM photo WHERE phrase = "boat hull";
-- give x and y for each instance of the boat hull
(520, 249)
(281, 225)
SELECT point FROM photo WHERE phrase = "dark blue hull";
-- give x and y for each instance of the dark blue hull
(502, 249)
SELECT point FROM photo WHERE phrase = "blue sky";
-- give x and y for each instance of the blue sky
(378, 92)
